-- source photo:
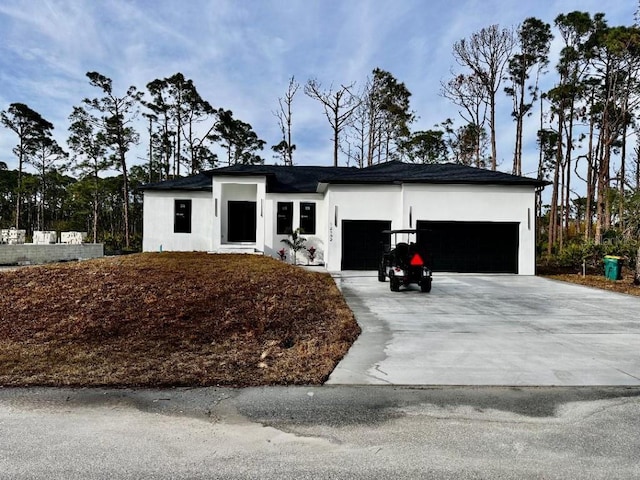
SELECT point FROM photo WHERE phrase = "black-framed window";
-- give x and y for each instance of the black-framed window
(285, 218)
(308, 217)
(182, 216)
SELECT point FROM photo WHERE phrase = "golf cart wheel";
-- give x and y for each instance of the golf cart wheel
(394, 284)
(425, 286)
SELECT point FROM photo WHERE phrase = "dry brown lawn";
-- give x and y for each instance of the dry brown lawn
(171, 319)
(600, 281)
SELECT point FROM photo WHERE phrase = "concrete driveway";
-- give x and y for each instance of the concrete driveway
(490, 330)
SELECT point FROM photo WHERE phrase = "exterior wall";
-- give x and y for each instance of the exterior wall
(395, 203)
(29, 253)
(358, 202)
(273, 240)
(159, 216)
(236, 188)
(478, 203)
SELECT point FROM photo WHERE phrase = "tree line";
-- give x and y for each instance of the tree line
(584, 125)
(73, 188)
(586, 129)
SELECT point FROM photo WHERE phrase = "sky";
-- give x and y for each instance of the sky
(241, 54)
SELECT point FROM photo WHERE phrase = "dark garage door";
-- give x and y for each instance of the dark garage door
(472, 247)
(361, 248)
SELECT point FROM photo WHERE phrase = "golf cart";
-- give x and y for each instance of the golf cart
(404, 261)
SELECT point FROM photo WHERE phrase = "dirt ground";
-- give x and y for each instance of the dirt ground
(169, 319)
(626, 285)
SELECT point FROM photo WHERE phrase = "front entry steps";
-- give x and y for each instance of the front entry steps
(247, 249)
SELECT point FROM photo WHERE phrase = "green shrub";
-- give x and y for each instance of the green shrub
(581, 254)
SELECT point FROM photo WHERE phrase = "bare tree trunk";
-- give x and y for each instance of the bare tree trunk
(486, 53)
(125, 195)
(178, 150)
(19, 192)
(372, 136)
(284, 116)
(607, 184)
(588, 220)
(167, 149)
(192, 151)
(289, 145)
(41, 224)
(637, 161)
(379, 155)
(338, 107)
(95, 203)
(150, 153)
(494, 150)
(519, 147)
(601, 202)
(588, 224)
(540, 176)
(477, 149)
(623, 173)
(553, 214)
(567, 179)
(563, 208)
(336, 136)
(517, 161)
(387, 148)
(95, 216)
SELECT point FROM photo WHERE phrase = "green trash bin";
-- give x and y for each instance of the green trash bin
(613, 267)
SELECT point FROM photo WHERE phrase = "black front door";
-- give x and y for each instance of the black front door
(241, 221)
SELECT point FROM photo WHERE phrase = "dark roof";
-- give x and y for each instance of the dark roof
(449, 173)
(286, 179)
(305, 179)
(201, 181)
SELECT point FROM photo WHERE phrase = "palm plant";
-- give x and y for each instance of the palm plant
(295, 242)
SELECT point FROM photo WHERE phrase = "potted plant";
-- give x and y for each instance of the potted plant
(311, 253)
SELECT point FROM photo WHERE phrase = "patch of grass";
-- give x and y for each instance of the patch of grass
(171, 319)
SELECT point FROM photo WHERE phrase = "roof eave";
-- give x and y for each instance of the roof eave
(168, 189)
(532, 183)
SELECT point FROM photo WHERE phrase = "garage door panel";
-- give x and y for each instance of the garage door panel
(472, 247)
(361, 243)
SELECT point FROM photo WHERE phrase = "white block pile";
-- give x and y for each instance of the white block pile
(44, 237)
(73, 238)
(13, 236)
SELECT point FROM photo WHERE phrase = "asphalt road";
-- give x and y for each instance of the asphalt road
(322, 432)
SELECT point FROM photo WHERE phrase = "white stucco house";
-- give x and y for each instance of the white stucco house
(477, 220)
